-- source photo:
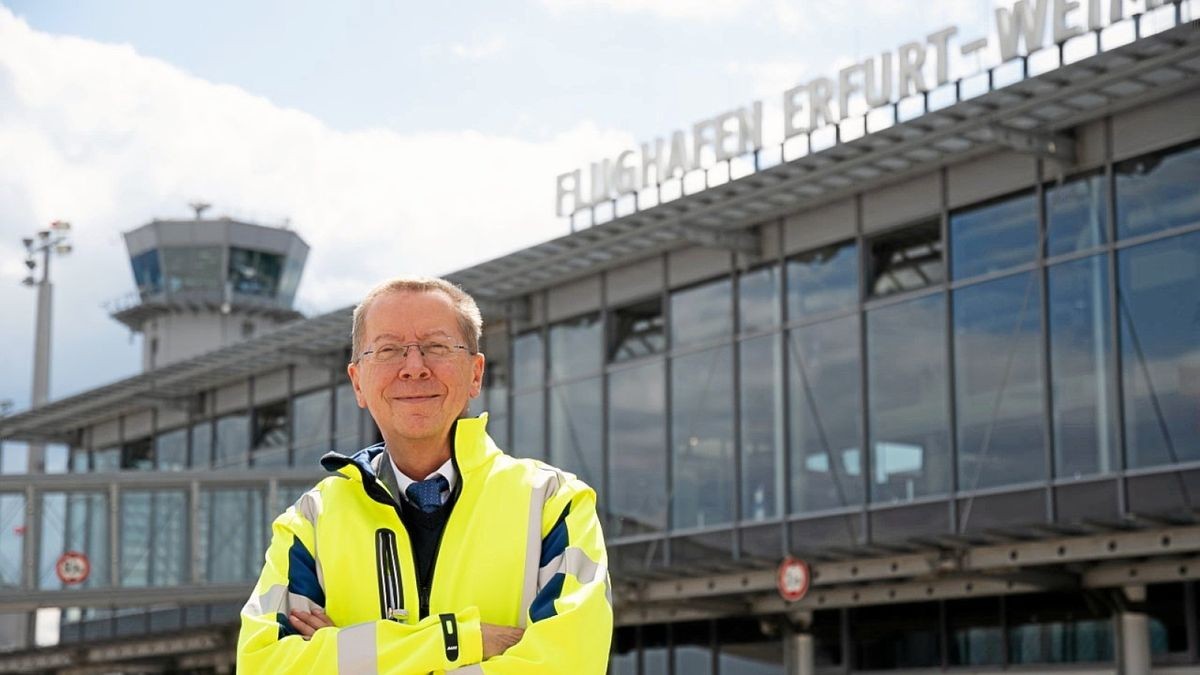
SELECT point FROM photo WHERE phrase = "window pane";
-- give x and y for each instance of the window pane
(1057, 628)
(746, 650)
(311, 427)
(824, 381)
(107, 459)
(1167, 606)
(202, 445)
(494, 399)
(636, 331)
(192, 269)
(906, 260)
(528, 435)
(896, 636)
(1160, 349)
(12, 541)
(758, 298)
(135, 529)
(761, 397)
(702, 438)
(1076, 215)
(346, 420)
(975, 632)
(147, 273)
(270, 443)
(575, 347)
(906, 368)
(575, 430)
(1080, 335)
(993, 237)
(137, 455)
(702, 313)
(998, 382)
(254, 272)
(637, 479)
(823, 280)
(529, 368)
(170, 450)
(169, 525)
(1158, 192)
(234, 534)
(233, 438)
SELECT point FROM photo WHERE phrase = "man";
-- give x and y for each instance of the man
(433, 551)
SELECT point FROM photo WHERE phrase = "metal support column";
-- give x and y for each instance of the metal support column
(1135, 634)
(798, 651)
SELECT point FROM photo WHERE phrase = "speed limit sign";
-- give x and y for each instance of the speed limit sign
(73, 567)
(794, 578)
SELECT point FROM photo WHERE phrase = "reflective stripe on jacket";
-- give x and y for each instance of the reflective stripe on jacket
(522, 547)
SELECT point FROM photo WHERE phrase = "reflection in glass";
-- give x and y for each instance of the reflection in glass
(998, 382)
(827, 279)
(637, 479)
(825, 388)
(702, 474)
(1160, 349)
(232, 441)
(311, 427)
(202, 445)
(270, 442)
(529, 368)
(636, 331)
(106, 459)
(170, 450)
(761, 400)
(233, 535)
(906, 368)
(575, 429)
(905, 260)
(1158, 192)
(1076, 215)
(575, 347)
(758, 299)
(993, 237)
(1080, 335)
(527, 428)
(702, 313)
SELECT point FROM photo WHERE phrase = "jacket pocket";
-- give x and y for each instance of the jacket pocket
(387, 569)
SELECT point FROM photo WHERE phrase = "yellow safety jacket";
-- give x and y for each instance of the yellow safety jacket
(522, 547)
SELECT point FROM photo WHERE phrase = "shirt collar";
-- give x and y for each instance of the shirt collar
(402, 481)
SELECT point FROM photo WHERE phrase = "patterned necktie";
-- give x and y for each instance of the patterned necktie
(427, 494)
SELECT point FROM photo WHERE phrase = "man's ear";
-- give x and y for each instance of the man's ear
(478, 365)
(353, 371)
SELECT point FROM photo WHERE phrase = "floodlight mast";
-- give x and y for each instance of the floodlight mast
(52, 240)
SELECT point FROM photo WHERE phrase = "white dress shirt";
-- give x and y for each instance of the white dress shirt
(446, 470)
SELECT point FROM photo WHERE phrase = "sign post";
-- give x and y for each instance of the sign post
(73, 568)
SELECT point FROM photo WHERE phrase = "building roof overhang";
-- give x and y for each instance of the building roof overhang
(1032, 115)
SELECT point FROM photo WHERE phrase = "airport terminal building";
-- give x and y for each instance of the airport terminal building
(952, 364)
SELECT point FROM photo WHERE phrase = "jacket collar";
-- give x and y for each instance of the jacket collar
(472, 448)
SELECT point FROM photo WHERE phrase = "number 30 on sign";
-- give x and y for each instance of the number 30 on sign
(73, 567)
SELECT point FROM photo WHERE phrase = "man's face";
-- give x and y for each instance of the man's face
(413, 398)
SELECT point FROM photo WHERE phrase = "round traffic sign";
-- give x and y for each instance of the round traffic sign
(794, 578)
(73, 567)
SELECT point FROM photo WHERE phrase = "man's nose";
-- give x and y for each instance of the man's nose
(412, 365)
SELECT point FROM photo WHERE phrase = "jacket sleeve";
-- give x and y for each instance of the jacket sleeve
(291, 579)
(570, 621)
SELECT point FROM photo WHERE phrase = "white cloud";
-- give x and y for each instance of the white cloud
(479, 50)
(108, 139)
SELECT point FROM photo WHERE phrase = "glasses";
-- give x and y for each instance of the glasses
(431, 352)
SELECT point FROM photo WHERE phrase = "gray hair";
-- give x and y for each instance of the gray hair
(470, 321)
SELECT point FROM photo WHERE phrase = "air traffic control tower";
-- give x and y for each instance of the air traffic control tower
(204, 283)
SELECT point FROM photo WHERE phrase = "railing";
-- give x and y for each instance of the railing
(137, 539)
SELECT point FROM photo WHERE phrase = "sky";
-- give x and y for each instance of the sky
(392, 136)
